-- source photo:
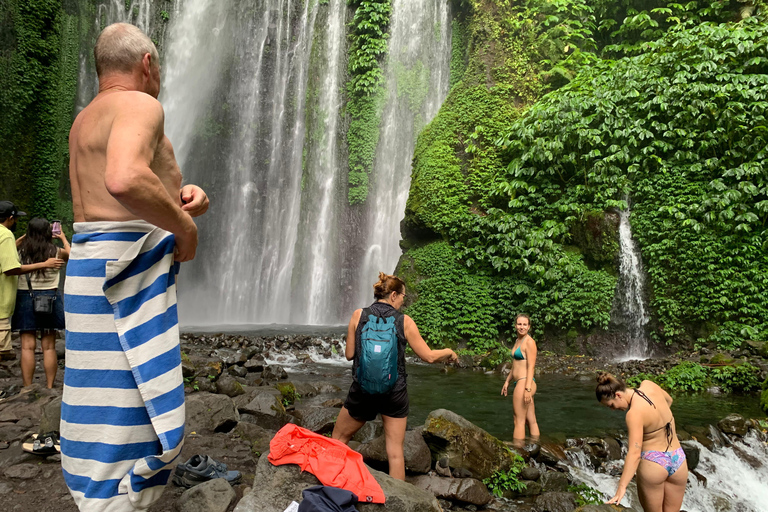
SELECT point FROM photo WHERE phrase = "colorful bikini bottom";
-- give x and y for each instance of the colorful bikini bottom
(671, 461)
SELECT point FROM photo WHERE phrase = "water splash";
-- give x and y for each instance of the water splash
(629, 313)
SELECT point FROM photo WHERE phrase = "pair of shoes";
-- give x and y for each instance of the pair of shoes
(43, 444)
(201, 468)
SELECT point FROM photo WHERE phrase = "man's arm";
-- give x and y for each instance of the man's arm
(54, 263)
(134, 137)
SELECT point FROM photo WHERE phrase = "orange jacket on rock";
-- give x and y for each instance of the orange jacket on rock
(331, 461)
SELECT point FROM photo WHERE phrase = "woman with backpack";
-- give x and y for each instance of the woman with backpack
(376, 342)
(40, 286)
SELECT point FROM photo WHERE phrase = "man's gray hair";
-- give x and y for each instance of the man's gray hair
(122, 46)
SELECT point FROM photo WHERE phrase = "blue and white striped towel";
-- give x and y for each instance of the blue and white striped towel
(122, 414)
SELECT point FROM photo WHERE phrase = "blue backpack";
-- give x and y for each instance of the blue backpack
(377, 364)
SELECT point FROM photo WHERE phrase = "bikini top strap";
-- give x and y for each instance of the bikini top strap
(644, 397)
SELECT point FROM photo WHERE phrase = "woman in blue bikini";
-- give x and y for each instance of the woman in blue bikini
(523, 365)
(654, 451)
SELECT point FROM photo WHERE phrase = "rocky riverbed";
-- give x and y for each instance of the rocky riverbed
(239, 395)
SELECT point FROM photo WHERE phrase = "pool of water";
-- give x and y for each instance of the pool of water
(565, 406)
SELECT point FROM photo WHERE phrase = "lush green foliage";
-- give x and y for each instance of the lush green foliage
(684, 136)
(693, 377)
(508, 480)
(38, 80)
(586, 495)
(764, 397)
(367, 47)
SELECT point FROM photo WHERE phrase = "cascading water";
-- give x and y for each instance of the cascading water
(629, 313)
(731, 478)
(417, 80)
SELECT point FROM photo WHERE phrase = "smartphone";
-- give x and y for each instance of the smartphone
(56, 227)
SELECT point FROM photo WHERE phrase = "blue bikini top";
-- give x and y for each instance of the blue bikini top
(518, 354)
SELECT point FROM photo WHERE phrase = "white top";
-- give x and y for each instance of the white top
(48, 281)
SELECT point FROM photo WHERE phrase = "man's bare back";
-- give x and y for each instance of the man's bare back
(92, 139)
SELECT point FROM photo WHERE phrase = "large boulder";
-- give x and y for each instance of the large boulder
(265, 408)
(227, 385)
(466, 490)
(275, 487)
(418, 458)
(733, 424)
(555, 502)
(692, 453)
(317, 419)
(211, 496)
(465, 445)
(210, 412)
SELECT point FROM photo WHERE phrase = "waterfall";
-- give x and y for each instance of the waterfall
(730, 478)
(417, 75)
(629, 309)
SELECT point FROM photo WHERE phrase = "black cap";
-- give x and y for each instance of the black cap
(8, 209)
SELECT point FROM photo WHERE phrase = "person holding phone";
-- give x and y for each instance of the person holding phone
(35, 247)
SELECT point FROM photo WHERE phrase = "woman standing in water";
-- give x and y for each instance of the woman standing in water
(654, 451)
(393, 405)
(524, 387)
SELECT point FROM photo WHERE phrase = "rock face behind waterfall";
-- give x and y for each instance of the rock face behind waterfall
(275, 487)
(466, 445)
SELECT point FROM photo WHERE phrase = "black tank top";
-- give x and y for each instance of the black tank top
(383, 310)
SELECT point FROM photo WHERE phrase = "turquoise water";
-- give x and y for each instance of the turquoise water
(564, 406)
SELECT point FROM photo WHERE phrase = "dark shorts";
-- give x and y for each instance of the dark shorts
(365, 407)
(25, 319)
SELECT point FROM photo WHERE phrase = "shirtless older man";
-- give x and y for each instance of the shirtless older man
(122, 420)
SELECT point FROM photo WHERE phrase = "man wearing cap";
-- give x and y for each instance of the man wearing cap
(10, 268)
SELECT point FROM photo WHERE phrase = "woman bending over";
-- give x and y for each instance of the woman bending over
(654, 450)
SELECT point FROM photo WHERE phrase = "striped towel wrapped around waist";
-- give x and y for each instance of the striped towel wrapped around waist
(122, 414)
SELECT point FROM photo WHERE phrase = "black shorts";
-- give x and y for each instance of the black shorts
(365, 407)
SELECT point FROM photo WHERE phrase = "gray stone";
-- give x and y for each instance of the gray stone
(530, 473)
(551, 454)
(267, 407)
(211, 496)
(209, 412)
(227, 385)
(614, 448)
(23, 471)
(466, 445)
(326, 388)
(230, 357)
(275, 487)
(466, 490)
(5, 488)
(368, 432)
(336, 403)
(417, 456)
(255, 364)
(317, 419)
(530, 489)
(733, 424)
(257, 438)
(691, 454)
(555, 502)
(554, 481)
(60, 349)
(273, 373)
(237, 371)
(305, 389)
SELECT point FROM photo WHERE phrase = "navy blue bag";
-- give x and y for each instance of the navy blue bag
(322, 498)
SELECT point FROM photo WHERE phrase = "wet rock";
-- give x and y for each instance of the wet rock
(443, 468)
(733, 424)
(211, 496)
(5, 488)
(530, 489)
(326, 388)
(466, 490)
(466, 445)
(23, 471)
(700, 434)
(417, 456)
(465, 361)
(368, 432)
(554, 481)
(462, 473)
(555, 502)
(254, 379)
(210, 412)
(258, 438)
(530, 473)
(613, 448)
(231, 357)
(273, 373)
(691, 454)
(305, 389)
(227, 385)
(267, 408)
(255, 364)
(336, 403)
(317, 419)
(204, 385)
(237, 371)
(275, 487)
(551, 454)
